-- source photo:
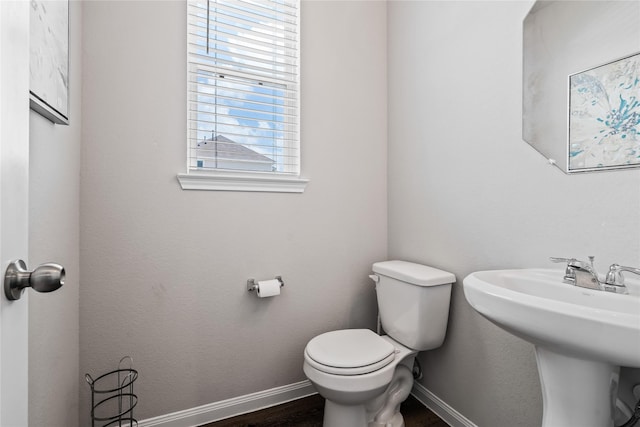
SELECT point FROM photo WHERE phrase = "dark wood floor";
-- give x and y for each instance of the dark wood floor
(307, 412)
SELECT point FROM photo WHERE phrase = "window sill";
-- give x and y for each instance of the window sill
(242, 181)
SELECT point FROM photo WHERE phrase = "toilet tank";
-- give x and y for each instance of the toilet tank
(413, 301)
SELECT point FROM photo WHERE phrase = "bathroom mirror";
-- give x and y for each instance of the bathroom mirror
(595, 47)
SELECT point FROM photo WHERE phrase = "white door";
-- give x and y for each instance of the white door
(14, 197)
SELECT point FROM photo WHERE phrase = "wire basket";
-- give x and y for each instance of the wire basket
(112, 396)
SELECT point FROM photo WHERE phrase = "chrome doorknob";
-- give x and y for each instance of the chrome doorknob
(45, 278)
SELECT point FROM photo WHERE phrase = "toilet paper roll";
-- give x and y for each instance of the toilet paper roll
(268, 288)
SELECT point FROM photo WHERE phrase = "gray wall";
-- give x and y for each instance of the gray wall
(466, 193)
(164, 270)
(54, 236)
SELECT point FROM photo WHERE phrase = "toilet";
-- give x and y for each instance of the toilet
(364, 376)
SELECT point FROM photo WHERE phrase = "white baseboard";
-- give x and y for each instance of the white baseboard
(264, 399)
(231, 407)
(439, 407)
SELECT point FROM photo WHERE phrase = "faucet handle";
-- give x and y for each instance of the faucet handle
(571, 263)
(569, 273)
(567, 260)
(575, 263)
(615, 277)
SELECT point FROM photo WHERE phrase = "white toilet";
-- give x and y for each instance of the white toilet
(364, 376)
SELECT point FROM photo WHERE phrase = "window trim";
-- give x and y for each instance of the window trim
(231, 180)
(242, 181)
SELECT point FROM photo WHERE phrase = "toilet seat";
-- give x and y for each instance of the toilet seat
(349, 352)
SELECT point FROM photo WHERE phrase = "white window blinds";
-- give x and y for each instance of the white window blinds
(243, 85)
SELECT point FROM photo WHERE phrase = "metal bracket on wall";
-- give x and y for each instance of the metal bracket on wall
(252, 285)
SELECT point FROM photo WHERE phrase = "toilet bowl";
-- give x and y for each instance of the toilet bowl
(364, 376)
(351, 368)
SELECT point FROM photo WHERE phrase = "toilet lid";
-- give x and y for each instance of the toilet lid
(349, 352)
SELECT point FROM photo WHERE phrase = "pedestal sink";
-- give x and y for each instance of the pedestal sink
(581, 337)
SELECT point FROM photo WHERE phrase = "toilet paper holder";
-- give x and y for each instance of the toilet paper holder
(252, 285)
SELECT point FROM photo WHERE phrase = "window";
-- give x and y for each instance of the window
(243, 93)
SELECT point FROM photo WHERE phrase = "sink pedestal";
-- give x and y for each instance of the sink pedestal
(576, 392)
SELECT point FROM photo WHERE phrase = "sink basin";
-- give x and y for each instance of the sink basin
(581, 336)
(536, 305)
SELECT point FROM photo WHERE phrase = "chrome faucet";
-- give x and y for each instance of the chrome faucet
(583, 274)
(580, 273)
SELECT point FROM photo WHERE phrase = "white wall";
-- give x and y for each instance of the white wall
(54, 236)
(466, 193)
(164, 270)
